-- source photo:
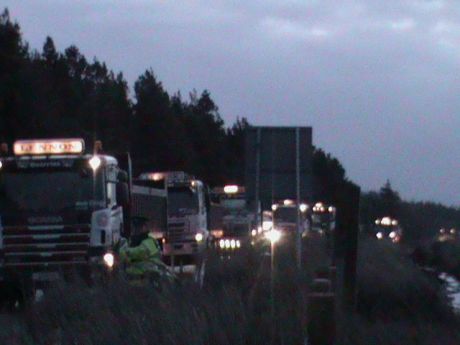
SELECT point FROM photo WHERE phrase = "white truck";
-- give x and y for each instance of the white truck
(285, 217)
(187, 205)
(231, 218)
(61, 211)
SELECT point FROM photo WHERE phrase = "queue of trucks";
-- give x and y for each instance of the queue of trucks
(66, 208)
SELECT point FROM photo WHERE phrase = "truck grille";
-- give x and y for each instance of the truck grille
(177, 231)
(46, 245)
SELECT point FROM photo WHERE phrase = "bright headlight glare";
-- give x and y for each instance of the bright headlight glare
(221, 243)
(109, 260)
(238, 244)
(273, 235)
(392, 234)
(1, 164)
(227, 243)
(379, 235)
(95, 163)
(199, 237)
(267, 225)
(232, 243)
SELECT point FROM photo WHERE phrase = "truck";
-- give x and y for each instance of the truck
(61, 212)
(149, 205)
(323, 219)
(187, 211)
(388, 228)
(285, 217)
(232, 219)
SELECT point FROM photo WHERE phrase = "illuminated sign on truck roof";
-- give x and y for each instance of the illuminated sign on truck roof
(48, 147)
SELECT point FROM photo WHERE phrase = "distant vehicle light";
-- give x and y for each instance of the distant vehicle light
(331, 209)
(379, 235)
(221, 243)
(193, 183)
(377, 222)
(109, 260)
(386, 221)
(48, 147)
(253, 232)
(199, 237)
(394, 222)
(1, 164)
(392, 235)
(452, 231)
(231, 189)
(232, 244)
(303, 207)
(227, 243)
(238, 244)
(288, 202)
(273, 235)
(274, 207)
(217, 233)
(95, 163)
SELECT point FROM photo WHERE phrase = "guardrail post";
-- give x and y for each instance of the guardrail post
(321, 326)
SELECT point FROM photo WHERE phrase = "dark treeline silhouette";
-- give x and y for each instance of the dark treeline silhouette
(420, 220)
(56, 94)
(62, 94)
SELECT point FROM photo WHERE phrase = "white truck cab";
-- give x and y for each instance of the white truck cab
(60, 209)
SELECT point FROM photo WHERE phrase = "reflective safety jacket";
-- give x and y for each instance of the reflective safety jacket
(143, 260)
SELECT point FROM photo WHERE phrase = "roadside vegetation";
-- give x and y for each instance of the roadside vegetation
(397, 304)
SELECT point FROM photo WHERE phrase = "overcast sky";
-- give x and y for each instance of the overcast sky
(378, 80)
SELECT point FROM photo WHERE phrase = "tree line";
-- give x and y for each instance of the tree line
(49, 93)
(62, 94)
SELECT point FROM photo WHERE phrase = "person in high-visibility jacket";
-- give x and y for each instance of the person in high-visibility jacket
(142, 258)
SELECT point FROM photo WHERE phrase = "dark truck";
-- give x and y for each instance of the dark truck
(61, 212)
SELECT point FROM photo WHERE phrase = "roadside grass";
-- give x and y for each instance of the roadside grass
(397, 304)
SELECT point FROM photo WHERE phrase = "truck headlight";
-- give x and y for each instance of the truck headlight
(199, 237)
(94, 163)
(109, 260)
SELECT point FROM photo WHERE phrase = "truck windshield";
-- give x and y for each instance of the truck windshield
(236, 229)
(234, 203)
(182, 201)
(49, 191)
(285, 215)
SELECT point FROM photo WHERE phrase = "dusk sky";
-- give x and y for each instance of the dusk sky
(378, 81)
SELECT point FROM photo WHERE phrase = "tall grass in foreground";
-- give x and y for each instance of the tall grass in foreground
(397, 304)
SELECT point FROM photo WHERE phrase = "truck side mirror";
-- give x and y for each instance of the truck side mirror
(123, 194)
